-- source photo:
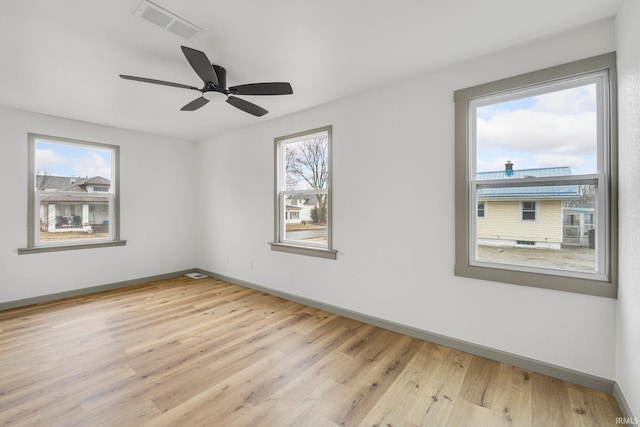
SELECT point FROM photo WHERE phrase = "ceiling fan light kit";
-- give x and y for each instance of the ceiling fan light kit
(214, 78)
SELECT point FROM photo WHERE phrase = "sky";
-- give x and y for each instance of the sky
(553, 129)
(72, 160)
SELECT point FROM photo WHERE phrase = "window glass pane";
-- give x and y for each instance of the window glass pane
(306, 219)
(555, 131)
(562, 237)
(65, 216)
(306, 163)
(60, 166)
(73, 190)
(528, 210)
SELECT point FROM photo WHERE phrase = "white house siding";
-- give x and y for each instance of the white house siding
(100, 213)
(292, 216)
(305, 212)
(502, 224)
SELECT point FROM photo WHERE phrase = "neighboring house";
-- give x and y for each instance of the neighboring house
(62, 212)
(298, 209)
(542, 217)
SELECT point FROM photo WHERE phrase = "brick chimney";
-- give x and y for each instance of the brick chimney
(508, 168)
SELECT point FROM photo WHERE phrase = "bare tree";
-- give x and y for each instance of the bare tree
(307, 164)
(45, 174)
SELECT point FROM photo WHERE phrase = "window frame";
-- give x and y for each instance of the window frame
(606, 180)
(33, 221)
(280, 243)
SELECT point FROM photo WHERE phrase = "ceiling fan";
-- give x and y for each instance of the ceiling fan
(215, 85)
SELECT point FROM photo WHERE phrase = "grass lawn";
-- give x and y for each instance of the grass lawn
(298, 227)
(70, 235)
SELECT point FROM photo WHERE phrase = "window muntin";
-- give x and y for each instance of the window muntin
(535, 136)
(73, 200)
(303, 185)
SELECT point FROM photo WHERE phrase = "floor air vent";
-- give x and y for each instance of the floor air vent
(196, 275)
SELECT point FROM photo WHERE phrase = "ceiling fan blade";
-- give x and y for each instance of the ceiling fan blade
(195, 104)
(158, 82)
(201, 65)
(246, 106)
(279, 88)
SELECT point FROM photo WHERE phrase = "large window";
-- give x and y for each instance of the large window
(303, 194)
(73, 194)
(539, 151)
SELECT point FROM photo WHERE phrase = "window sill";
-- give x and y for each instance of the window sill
(58, 248)
(304, 250)
(539, 280)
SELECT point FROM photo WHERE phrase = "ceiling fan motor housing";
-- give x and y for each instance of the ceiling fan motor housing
(221, 73)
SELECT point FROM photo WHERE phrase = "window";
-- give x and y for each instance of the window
(528, 211)
(73, 195)
(303, 194)
(540, 149)
(481, 209)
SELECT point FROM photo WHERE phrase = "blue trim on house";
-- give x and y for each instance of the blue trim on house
(540, 192)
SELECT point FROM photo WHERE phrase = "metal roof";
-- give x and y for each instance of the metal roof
(539, 192)
(524, 173)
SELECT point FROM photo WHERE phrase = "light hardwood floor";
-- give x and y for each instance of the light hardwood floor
(185, 352)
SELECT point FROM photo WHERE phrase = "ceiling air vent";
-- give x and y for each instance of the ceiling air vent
(169, 21)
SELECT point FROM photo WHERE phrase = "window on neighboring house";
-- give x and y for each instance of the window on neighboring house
(303, 180)
(528, 211)
(73, 200)
(481, 208)
(550, 136)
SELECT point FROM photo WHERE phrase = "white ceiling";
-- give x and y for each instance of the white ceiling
(63, 57)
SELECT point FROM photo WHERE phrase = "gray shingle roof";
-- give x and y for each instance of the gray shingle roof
(68, 183)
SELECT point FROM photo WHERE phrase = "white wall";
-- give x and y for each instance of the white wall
(160, 235)
(393, 149)
(628, 320)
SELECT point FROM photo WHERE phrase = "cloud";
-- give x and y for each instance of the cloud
(569, 101)
(47, 159)
(93, 164)
(546, 160)
(564, 121)
(527, 130)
